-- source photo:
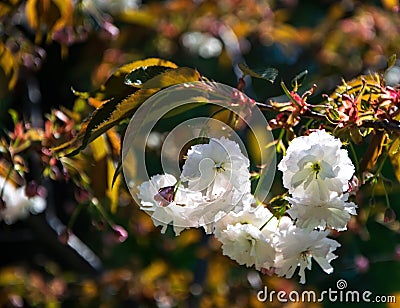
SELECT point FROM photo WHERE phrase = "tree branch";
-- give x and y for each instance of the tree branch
(392, 126)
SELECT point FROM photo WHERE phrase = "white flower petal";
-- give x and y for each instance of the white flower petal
(247, 245)
(311, 213)
(316, 165)
(296, 247)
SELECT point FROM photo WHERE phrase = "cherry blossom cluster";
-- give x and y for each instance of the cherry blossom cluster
(214, 192)
(317, 171)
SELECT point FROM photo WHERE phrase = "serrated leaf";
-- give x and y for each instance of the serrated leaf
(113, 184)
(116, 173)
(114, 111)
(268, 74)
(354, 86)
(115, 86)
(143, 74)
(172, 77)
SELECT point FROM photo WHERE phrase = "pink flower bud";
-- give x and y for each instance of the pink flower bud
(121, 233)
(165, 195)
(389, 216)
(361, 263)
(31, 189)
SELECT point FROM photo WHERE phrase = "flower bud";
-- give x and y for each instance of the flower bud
(389, 216)
(165, 195)
(121, 233)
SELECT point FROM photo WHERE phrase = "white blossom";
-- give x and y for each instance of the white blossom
(297, 247)
(17, 204)
(313, 213)
(162, 212)
(247, 245)
(256, 215)
(316, 165)
(186, 208)
(205, 213)
(216, 167)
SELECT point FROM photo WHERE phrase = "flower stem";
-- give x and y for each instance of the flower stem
(75, 214)
(353, 152)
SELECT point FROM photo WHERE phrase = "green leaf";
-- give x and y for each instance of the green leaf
(268, 74)
(172, 77)
(116, 88)
(113, 111)
(142, 74)
(117, 172)
(373, 152)
(14, 115)
(391, 61)
(289, 95)
(299, 79)
(333, 114)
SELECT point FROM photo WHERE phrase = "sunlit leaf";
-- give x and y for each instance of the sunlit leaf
(8, 6)
(333, 114)
(127, 68)
(8, 70)
(113, 184)
(268, 74)
(153, 272)
(391, 61)
(172, 77)
(99, 149)
(373, 151)
(115, 87)
(111, 112)
(355, 85)
(143, 17)
(142, 74)
(117, 172)
(114, 141)
(394, 147)
(394, 155)
(52, 15)
(355, 135)
(390, 4)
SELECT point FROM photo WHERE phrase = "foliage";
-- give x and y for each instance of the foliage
(65, 145)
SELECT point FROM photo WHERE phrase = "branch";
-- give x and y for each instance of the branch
(392, 126)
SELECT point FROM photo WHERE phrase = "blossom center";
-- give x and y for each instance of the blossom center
(305, 254)
(219, 167)
(316, 168)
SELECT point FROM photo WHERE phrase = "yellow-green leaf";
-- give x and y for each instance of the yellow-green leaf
(8, 70)
(114, 111)
(268, 73)
(112, 186)
(115, 87)
(394, 155)
(142, 74)
(172, 77)
(52, 15)
(373, 151)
